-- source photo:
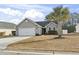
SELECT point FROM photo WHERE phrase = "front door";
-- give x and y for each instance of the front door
(43, 31)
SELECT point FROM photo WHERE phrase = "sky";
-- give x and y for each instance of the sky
(15, 13)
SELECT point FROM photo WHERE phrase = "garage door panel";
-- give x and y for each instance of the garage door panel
(27, 31)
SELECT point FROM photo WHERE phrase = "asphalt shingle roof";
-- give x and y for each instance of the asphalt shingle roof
(43, 23)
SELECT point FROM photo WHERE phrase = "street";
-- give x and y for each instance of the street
(7, 52)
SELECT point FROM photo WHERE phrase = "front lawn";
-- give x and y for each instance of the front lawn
(48, 43)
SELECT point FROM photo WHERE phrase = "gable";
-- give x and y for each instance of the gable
(51, 24)
(28, 23)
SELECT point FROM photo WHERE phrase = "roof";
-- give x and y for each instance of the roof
(30, 21)
(43, 23)
(7, 25)
(39, 23)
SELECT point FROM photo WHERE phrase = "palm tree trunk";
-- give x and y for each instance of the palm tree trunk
(59, 29)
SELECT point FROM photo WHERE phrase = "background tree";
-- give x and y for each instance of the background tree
(59, 16)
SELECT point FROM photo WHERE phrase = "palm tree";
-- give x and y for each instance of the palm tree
(59, 15)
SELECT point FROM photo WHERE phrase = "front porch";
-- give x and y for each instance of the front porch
(46, 31)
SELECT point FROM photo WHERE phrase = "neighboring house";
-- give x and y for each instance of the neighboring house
(7, 29)
(77, 28)
(29, 27)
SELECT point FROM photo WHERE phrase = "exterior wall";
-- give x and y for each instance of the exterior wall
(38, 30)
(7, 31)
(50, 26)
(65, 31)
(26, 24)
(77, 28)
(17, 31)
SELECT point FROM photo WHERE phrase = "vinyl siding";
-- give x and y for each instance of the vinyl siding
(51, 25)
(27, 24)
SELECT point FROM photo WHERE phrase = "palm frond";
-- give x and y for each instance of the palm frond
(59, 14)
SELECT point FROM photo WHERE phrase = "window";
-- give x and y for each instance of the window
(49, 28)
(54, 28)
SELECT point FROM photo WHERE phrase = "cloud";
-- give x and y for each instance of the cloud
(14, 13)
(25, 7)
(10, 11)
(76, 10)
(66, 5)
(34, 14)
(72, 10)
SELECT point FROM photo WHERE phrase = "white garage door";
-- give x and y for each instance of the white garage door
(27, 31)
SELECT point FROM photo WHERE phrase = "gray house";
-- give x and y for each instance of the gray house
(47, 26)
(7, 28)
(29, 27)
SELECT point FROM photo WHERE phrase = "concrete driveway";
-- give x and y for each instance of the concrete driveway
(4, 42)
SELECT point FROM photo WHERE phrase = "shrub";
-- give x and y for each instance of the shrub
(37, 34)
(52, 32)
(71, 28)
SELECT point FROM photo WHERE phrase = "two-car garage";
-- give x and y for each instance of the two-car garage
(28, 27)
